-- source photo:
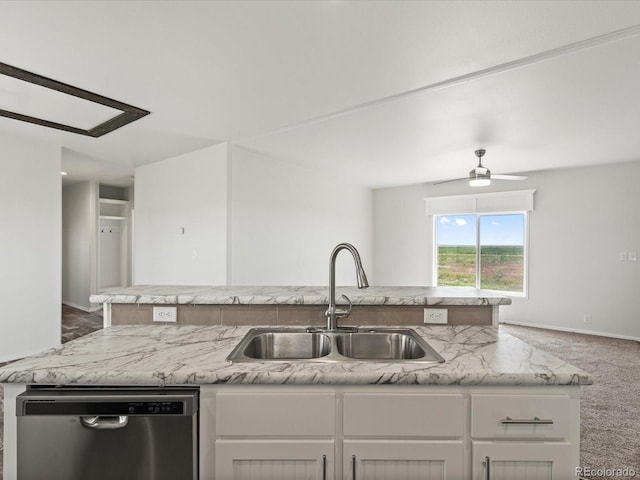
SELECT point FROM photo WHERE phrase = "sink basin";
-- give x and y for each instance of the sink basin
(280, 345)
(356, 345)
(379, 346)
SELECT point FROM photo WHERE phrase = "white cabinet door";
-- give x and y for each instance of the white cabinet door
(403, 460)
(274, 460)
(522, 461)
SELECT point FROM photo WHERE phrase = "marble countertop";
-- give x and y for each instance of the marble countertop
(290, 295)
(156, 355)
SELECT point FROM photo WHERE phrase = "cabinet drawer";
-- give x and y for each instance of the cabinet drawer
(404, 415)
(499, 416)
(277, 414)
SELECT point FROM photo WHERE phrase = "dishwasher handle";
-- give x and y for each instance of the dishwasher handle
(104, 422)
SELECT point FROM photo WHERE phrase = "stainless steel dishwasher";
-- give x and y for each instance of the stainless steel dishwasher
(102, 433)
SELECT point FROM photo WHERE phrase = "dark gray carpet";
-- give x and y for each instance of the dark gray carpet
(610, 408)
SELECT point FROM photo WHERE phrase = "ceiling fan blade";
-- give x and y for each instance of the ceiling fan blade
(449, 181)
(508, 177)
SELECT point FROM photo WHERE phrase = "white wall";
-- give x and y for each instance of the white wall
(30, 253)
(286, 221)
(190, 192)
(583, 219)
(79, 244)
(400, 236)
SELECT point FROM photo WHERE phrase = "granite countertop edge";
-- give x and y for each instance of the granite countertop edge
(296, 295)
(195, 355)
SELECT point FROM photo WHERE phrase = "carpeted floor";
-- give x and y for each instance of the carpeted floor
(610, 408)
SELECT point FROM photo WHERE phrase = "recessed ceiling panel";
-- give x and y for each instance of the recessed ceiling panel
(33, 100)
(36, 99)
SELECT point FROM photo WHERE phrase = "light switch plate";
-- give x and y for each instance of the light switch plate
(435, 315)
(165, 314)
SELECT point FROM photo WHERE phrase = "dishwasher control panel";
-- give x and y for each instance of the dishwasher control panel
(113, 407)
(108, 402)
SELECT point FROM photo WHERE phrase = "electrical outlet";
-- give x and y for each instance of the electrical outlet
(586, 318)
(633, 256)
(435, 315)
(165, 314)
(624, 256)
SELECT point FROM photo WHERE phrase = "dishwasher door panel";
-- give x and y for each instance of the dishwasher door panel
(146, 448)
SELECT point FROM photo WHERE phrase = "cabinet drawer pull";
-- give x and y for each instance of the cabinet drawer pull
(487, 468)
(353, 467)
(524, 421)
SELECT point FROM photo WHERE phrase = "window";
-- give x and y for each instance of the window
(481, 250)
(481, 240)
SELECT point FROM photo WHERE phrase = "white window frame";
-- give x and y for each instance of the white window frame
(495, 203)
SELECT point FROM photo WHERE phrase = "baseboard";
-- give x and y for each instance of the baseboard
(81, 307)
(573, 330)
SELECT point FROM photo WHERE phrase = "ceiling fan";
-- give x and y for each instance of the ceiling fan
(481, 176)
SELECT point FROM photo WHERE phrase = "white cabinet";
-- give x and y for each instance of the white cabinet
(275, 414)
(274, 459)
(275, 436)
(403, 414)
(522, 460)
(403, 460)
(520, 416)
(266, 434)
(404, 436)
(528, 437)
(389, 432)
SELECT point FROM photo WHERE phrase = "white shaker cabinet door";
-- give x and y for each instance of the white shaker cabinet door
(274, 460)
(522, 461)
(403, 460)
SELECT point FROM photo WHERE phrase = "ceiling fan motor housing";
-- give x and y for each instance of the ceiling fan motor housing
(480, 172)
(480, 176)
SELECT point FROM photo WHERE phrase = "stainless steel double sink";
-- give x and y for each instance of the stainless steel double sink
(309, 344)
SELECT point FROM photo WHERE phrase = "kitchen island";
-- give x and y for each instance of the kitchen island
(287, 305)
(494, 397)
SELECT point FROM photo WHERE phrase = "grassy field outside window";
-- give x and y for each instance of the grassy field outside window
(499, 239)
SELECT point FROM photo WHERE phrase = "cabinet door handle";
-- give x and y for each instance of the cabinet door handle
(526, 421)
(487, 468)
(353, 467)
(324, 467)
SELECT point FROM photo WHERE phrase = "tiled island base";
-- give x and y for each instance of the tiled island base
(142, 314)
(300, 305)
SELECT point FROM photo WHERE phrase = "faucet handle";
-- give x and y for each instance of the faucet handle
(341, 312)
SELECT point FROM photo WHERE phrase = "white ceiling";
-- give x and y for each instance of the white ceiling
(383, 93)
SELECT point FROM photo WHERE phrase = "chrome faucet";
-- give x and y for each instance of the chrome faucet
(333, 313)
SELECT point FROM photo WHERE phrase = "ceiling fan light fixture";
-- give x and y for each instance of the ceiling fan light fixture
(480, 182)
(481, 176)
